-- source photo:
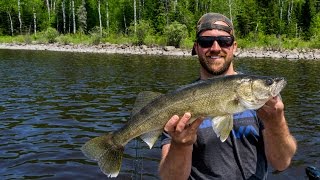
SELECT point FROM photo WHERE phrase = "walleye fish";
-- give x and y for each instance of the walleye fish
(218, 97)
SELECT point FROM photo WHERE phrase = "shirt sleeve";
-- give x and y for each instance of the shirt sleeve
(165, 138)
(259, 121)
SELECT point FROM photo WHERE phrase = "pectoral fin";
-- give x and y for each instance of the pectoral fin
(151, 137)
(222, 125)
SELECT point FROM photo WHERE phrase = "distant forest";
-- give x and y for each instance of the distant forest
(289, 18)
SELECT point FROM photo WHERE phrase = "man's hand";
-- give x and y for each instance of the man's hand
(280, 145)
(177, 156)
(181, 132)
(272, 112)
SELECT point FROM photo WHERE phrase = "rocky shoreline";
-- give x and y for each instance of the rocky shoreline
(312, 54)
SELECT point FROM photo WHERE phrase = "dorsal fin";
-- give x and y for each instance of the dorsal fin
(143, 99)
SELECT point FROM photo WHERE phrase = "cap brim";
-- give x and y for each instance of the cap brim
(193, 51)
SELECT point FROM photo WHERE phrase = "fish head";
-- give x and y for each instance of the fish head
(267, 87)
(254, 91)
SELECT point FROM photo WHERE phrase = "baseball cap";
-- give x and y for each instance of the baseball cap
(207, 22)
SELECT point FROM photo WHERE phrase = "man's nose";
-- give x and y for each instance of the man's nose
(215, 46)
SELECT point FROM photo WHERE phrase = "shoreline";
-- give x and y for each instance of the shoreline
(107, 48)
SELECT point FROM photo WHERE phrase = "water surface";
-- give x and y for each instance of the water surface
(53, 102)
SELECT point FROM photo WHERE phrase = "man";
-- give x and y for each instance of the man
(258, 137)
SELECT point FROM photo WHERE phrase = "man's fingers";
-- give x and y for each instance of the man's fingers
(195, 124)
(172, 123)
(175, 124)
(183, 122)
(273, 101)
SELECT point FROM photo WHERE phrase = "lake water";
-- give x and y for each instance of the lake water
(51, 103)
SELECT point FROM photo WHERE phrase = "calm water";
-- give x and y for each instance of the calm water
(52, 102)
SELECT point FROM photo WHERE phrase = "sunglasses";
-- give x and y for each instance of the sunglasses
(223, 41)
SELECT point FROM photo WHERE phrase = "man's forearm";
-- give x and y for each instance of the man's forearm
(176, 163)
(280, 145)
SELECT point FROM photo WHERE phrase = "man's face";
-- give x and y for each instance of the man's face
(215, 60)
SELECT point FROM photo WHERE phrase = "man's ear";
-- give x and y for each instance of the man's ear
(194, 49)
(235, 46)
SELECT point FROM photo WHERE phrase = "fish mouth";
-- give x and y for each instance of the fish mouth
(280, 83)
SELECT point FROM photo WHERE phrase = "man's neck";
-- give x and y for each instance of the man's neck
(205, 75)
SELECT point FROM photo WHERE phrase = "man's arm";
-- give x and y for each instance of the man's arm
(177, 157)
(280, 145)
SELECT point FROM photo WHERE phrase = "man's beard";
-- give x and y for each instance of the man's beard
(221, 71)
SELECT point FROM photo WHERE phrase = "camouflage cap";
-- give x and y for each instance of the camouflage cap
(207, 22)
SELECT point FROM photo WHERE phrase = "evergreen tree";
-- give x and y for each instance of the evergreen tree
(292, 18)
(82, 17)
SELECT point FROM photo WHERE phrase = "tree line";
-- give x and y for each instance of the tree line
(289, 18)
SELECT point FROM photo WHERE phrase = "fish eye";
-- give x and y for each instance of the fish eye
(269, 81)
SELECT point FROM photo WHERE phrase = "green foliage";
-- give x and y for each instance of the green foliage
(82, 17)
(160, 23)
(117, 38)
(246, 18)
(258, 23)
(143, 29)
(295, 43)
(6, 39)
(19, 39)
(273, 42)
(157, 15)
(154, 40)
(41, 38)
(184, 16)
(64, 39)
(315, 42)
(187, 43)
(51, 34)
(95, 36)
(251, 40)
(315, 30)
(174, 33)
(27, 39)
(315, 25)
(79, 38)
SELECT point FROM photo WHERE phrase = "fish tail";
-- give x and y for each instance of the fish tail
(108, 154)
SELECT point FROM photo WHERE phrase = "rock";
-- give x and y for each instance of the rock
(169, 48)
(164, 50)
(292, 56)
(124, 46)
(316, 54)
(144, 47)
(307, 55)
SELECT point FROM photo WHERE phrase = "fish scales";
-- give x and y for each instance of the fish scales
(218, 98)
(193, 98)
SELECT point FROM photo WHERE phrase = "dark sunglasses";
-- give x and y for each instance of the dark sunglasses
(223, 41)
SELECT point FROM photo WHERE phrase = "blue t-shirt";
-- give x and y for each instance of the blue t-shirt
(241, 156)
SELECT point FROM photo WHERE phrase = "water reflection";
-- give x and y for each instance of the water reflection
(52, 102)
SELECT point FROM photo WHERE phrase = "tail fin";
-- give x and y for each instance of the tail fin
(106, 152)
